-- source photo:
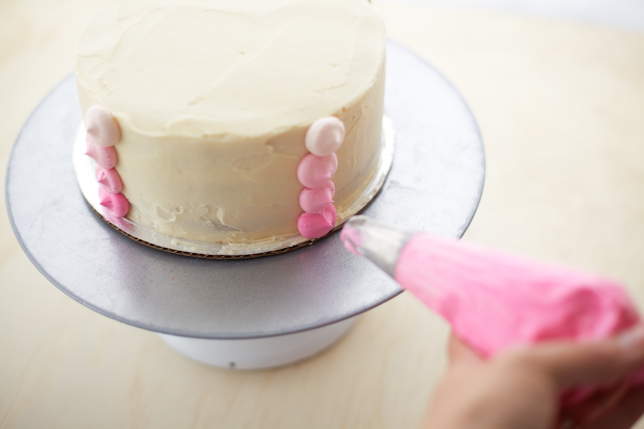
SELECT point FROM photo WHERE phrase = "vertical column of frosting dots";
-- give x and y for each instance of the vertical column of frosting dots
(315, 172)
(103, 133)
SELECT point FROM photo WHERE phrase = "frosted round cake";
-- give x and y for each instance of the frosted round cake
(251, 124)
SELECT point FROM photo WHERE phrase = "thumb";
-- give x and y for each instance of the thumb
(594, 362)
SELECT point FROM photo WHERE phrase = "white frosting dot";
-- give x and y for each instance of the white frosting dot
(101, 126)
(325, 136)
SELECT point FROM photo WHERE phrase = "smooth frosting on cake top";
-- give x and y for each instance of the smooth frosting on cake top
(191, 69)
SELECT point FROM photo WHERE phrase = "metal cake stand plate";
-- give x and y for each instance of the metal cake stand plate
(253, 313)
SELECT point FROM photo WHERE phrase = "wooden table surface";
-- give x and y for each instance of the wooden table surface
(561, 109)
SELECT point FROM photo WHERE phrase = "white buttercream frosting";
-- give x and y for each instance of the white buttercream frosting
(214, 98)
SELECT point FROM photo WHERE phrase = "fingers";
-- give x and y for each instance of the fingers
(596, 406)
(458, 352)
(598, 362)
(611, 399)
(623, 415)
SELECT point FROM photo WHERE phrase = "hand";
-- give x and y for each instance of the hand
(520, 387)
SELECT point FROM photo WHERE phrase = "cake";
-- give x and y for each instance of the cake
(251, 125)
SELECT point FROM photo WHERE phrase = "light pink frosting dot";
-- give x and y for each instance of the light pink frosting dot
(109, 180)
(101, 126)
(117, 204)
(325, 136)
(317, 225)
(315, 200)
(104, 156)
(314, 171)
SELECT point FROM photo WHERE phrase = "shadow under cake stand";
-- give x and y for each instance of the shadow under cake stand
(253, 313)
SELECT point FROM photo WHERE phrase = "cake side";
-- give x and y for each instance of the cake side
(213, 119)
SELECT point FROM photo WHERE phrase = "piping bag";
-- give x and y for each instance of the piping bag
(494, 300)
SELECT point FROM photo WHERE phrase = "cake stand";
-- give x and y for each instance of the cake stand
(253, 313)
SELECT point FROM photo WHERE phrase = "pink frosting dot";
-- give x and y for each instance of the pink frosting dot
(101, 126)
(317, 225)
(325, 136)
(315, 200)
(109, 180)
(117, 204)
(315, 171)
(104, 156)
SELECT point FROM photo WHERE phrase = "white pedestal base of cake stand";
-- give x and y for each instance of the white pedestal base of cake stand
(260, 353)
(255, 313)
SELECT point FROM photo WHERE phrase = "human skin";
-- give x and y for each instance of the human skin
(519, 388)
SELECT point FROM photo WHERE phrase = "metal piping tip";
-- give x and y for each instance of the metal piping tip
(379, 243)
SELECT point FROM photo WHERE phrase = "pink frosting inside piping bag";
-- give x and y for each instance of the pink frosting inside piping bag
(109, 180)
(315, 171)
(315, 200)
(350, 238)
(101, 126)
(317, 225)
(325, 136)
(494, 300)
(104, 156)
(117, 204)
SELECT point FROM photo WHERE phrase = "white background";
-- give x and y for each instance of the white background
(623, 14)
